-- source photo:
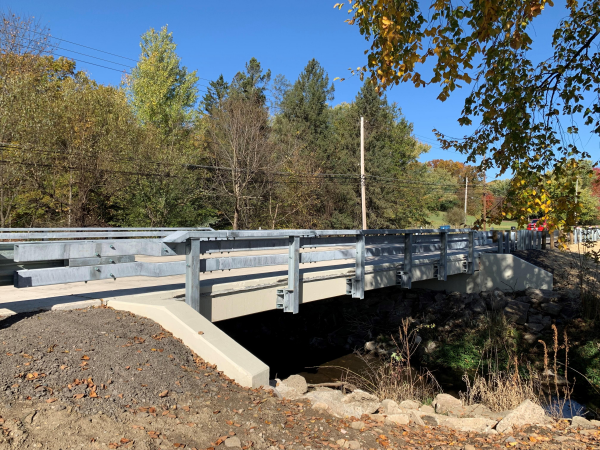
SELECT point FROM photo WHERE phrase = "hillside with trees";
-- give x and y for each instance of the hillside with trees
(254, 151)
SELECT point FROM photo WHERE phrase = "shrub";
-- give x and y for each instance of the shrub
(588, 357)
(455, 216)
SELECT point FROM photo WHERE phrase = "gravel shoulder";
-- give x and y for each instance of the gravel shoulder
(99, 378)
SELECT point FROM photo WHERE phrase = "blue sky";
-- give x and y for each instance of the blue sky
(217, 37)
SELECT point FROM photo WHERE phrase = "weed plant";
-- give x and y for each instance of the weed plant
(394, 377)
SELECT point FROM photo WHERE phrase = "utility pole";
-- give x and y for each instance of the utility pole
(484, 197)
(466, 188)
(576, 190)
(362, 173)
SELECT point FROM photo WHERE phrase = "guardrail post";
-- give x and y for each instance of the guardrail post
(408, 257)
(471, 253)
(192, 273)
(288, 299)
(500, 242)
(443, 264)
(293, 297)
(544, 237)
(358, 286)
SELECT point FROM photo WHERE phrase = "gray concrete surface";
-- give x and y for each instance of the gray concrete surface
(200, 335)
(505, 272)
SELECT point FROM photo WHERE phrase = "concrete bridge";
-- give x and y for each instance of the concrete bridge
(226, 274)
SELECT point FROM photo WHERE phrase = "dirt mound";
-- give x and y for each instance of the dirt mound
(70, 379)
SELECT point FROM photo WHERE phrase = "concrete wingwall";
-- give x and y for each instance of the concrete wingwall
(199, 334)
(505, 272)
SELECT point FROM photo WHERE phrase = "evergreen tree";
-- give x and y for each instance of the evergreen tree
(253, 83)
(216, 94)
(305, 104)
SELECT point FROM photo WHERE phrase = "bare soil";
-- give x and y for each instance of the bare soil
(100, 378)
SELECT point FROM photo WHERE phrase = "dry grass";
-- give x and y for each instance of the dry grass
(395, 378)
(501, 391)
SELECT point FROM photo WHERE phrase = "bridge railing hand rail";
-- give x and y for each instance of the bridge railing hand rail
(88, 260)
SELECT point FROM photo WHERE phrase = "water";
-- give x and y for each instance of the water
(568, 408)
(336, 369)
(319, 344)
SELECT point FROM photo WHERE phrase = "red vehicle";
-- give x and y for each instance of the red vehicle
(535, 224)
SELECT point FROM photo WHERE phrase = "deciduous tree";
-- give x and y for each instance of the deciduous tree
(162, 92)
(526, 112)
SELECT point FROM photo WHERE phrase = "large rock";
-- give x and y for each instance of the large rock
(552, 308)
(445, 402)
(410, 404)
(397, 419)
(516, 311)
(534, 327)
(478, 306)
(355, 404)
(580, 422)
(477, 425)
(427, 409)
(284, 391)
(390, 407)
(483, 412)
(496, 300)
(538, 296)
(535, 318)
(296, 382)
(415, 417)
(527, 413)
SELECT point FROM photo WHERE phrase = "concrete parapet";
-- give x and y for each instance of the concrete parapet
(200, 335)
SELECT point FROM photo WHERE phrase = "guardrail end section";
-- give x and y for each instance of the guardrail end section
(21, 280)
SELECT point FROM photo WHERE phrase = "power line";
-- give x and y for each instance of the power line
(346, 177)
(48, 35)
(74, 43)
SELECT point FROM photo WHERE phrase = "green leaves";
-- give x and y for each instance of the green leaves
(519, 105)
(161, 91)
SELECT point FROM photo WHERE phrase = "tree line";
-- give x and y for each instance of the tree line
(254, 151)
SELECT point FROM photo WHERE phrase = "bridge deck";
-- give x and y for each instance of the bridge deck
(18, 300)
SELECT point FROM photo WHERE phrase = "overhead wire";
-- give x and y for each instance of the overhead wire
(351, 178)
(74, 43)
(53, 52)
